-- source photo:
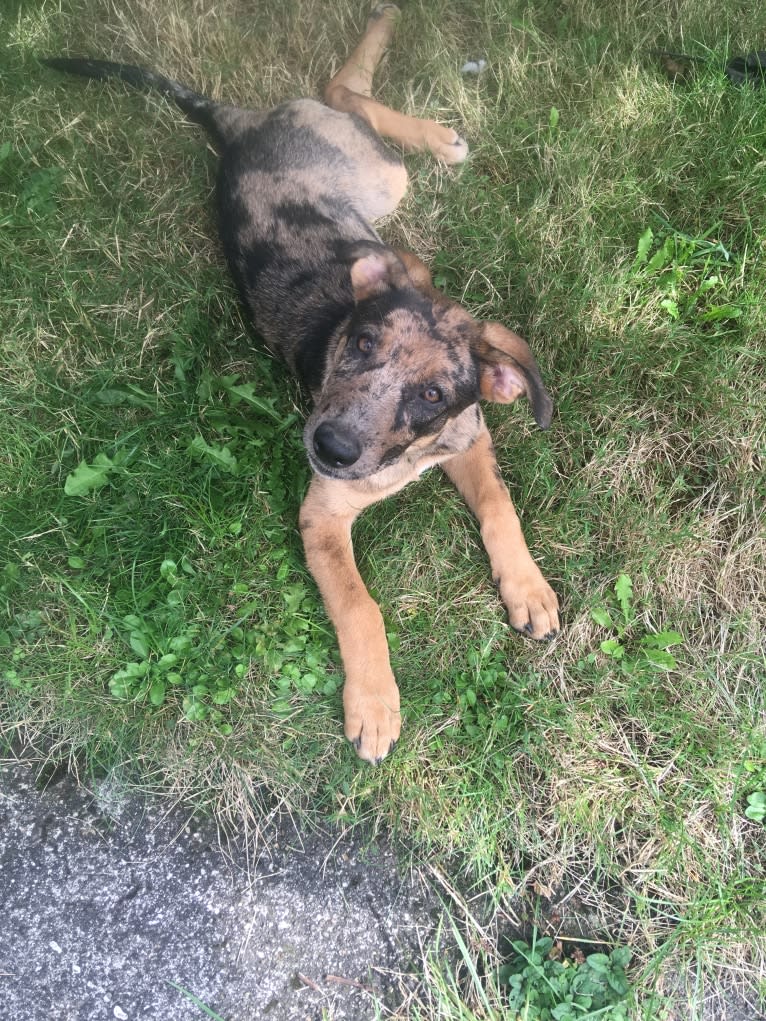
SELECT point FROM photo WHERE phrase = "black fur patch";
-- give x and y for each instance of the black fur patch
(302, 215)
(374, 310)
(311, 351)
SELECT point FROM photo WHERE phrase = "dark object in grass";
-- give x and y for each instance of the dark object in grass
(747, 70)
(679, 66)
(395, 369)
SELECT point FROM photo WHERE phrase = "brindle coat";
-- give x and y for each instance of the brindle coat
(394, 368)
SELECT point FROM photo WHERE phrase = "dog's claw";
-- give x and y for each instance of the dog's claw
(357, 743)
(391, 747)
(372, 719)
(527, 630)
(532, 606)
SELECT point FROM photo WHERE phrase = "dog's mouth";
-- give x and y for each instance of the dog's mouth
(341, 474)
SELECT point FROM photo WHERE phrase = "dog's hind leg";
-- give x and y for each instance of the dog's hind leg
(356, 74)
(350, 90)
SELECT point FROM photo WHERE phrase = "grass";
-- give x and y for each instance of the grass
(156, 617)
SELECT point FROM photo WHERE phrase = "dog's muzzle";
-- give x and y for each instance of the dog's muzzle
(335, 446)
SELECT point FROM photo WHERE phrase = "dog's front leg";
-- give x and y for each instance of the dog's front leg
(531, 602)
(370, 694)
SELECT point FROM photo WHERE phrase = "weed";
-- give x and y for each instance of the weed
(176, 651)
(693, 279)
(487, 699)
(756, 806)
(633, 651)
(544, 986)
(87, 478)
(754, 770)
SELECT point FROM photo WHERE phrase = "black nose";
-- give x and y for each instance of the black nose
(335, 446)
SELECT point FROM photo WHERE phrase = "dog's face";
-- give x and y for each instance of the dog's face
(396, 381)
(403, 375)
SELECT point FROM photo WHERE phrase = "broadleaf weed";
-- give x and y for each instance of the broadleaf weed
(634, 651)
(754, 768)
(542, 985)
(692, 279)
(487, 705)
(176, 652)
(756, 806)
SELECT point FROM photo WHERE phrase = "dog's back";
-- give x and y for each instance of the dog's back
(298, 187)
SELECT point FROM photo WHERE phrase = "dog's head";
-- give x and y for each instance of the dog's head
(408, 364)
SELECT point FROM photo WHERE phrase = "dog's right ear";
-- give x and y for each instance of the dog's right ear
(374, 270)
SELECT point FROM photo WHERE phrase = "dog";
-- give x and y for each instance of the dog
(395, 369)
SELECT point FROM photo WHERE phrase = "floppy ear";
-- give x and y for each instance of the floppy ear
(417, 271)
(375, 269)
(507, 370)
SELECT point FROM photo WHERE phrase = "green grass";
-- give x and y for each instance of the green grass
(156, 617)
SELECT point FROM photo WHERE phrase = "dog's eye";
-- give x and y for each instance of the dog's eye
(365, 343)
(432, 394)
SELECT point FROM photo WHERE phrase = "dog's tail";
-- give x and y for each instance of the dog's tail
(197, 108)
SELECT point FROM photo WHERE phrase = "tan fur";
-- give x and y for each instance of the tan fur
(350, 91)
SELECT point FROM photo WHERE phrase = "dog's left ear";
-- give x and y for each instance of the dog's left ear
(374, 270)
(507, 369)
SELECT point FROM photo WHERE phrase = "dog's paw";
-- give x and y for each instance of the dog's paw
(384, 10)
(533, 607)
(372, 719)
(444, 143)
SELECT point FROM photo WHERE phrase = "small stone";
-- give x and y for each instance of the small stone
(55, 947)
(120, 1014)
(473, 66)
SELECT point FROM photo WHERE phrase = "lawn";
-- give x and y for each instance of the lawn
(157, 621)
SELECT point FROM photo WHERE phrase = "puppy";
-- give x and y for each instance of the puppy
(394, 368)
